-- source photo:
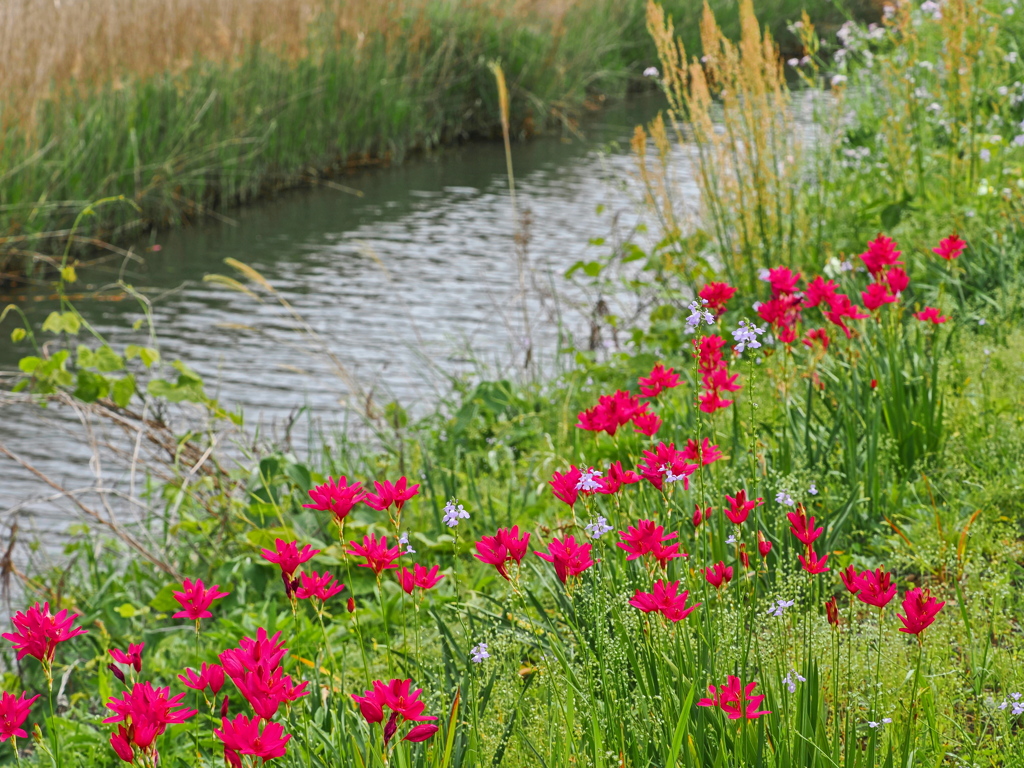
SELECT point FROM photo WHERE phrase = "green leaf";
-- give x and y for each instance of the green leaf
(126, 610)
(66, 322)
(123, 391)
(68, 274)
(147, 355)
(299, 474)
(164, 599)
(107, 360)
(91, 386)
(592, 268)
(17, 335)
(29, 364)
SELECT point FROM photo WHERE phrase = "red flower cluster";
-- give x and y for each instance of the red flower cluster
(144, 714)
(568, 557)
(195, 600)
(251, 736)
(612, 412)
(921, 609)
(718, 575)
(931, 315)
(950, 248)
(210, 676)
(404, 706)
(13, 714)
(336, 497)
(616, 478)
(666, 464)
(419, 576)
(665, 599)
(389, 494)
(648, 538)
(38, 632)
(735, 699)
(782, 311)
(716, 295)
(255, 669)
(317, 586)
(802, 527)
(379, 557)
(714, 372)
(658, 381)
(504, 547)
(871, 587)
(740, 507)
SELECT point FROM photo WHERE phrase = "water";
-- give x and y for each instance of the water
(417, 280)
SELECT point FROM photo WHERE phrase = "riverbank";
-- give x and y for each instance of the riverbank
(183, 113)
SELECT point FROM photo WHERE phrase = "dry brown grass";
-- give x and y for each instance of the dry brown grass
(47, 46)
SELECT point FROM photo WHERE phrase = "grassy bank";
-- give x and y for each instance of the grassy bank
(190, 108)
(871, 421)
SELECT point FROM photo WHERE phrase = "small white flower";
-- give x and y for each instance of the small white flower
(845, 266)
(783, 498)
(1011, 57)
(598, 528)
(587, 482)
(934, 107)
(746, 336)
(479, 653)
(886, 719)
(888, 11)
(838, 80)
(651, 72)
(805, 60)
(670, 476)
(764, 274)
(731, 539)
(793, 62)
(453, 512)
(404, 540)
(873, 724)
(813, 490)
(698, 315)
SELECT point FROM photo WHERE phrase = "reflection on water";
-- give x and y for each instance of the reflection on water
(407, 285)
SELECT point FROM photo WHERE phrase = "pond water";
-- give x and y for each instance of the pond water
(417, 279)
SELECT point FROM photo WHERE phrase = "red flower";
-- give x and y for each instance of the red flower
(267, 689)
(782, 281)
(320, 587)
(812, 564)
(816, 334)
(719, 575)
(565, 485)
(950, 248)
(288, 556)
(210, 676)
(921, 609)
(930, 315)
(39, 632)
(740, 508)
(131, 658)
(611, 412)
(881, 253)
(716, 295)
(121, 742)
(849, 577)
(876, 588)
(665, 463)
(617, 477)
(700, 515)
(763, 545)
(149, 711)
(336, 497)
(709, 353)
(705, 453)
(819, 290)
(388, 494)
(421, 732)
(378, 557)
(647, 538)
(195, 599)
(711, 401)
(660, 379)
(840, 308)
(13, 713)
(263, 653)
(420, 577)
(568, 557)
(803, 527)
(647, 423)
(832, 611)
(665, 599)
(248, 736)
(504, 547)
(876, 295)
(783, 312)
(897, 280)
(735, 700)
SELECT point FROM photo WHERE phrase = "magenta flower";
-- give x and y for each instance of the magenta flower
(950, 247)
(660, 379)
(647, 538)
(921, 609)
(812, 564)
(740, 507)
(13, 713)
(388, 494)
(39, 632)
(245, 736)
(289, 556)
(568, 557)
(718, 575)
(405, 707)
(647, 424)
(735, 700)
(875, 588)
(420, 577)
(336, 497)
(378, 557)
(319, 586)
(149, 711)
(209, 676)
(566, 485)
(504, 547)
(131, 658)
(616, 478)
(803, 527)
(665, 599)
(931, 315)
(196, 599)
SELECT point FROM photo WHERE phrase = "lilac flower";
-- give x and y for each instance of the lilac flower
(651, 72)
(813, 490)
(587, 483)
(791, 679)
(598, 528)
(746, 337)
(779, 608)
(699, 314)
(479, 653)
(453, 512)
(783, 498)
